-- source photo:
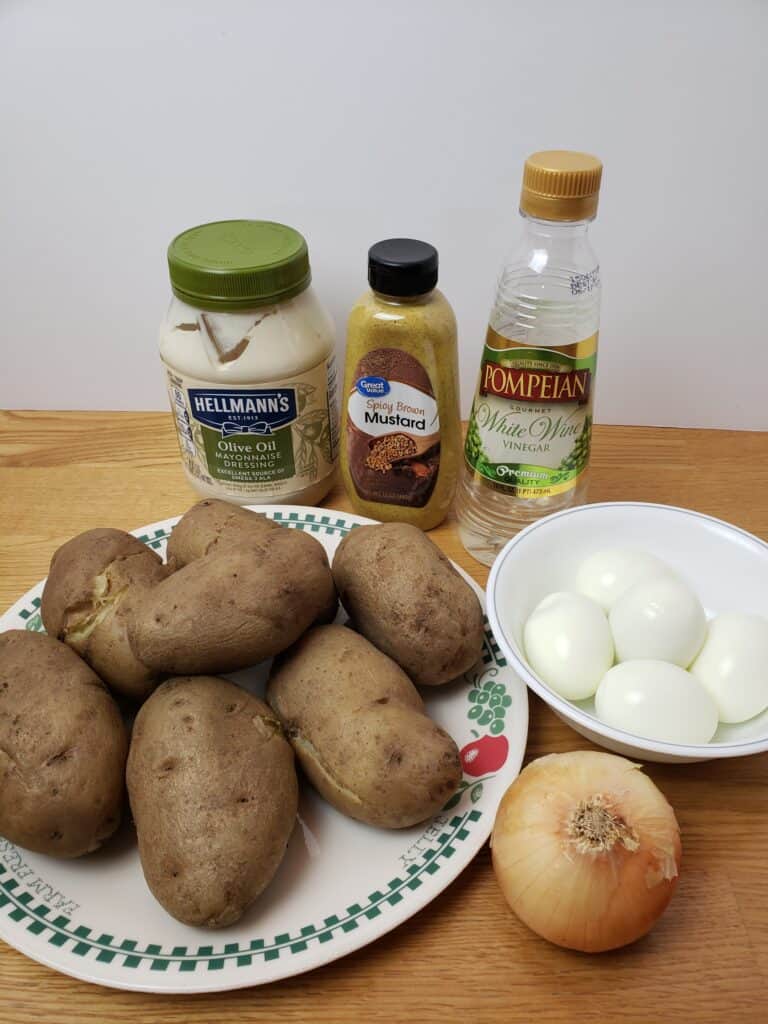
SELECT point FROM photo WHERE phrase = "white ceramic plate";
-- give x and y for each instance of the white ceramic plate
(727, 568)
(342, 884)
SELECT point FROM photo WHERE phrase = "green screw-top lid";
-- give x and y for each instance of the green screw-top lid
(238, 264)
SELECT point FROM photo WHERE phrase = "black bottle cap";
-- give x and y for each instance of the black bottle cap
(402, 267)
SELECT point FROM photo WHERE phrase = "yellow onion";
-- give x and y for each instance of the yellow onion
(586, 850)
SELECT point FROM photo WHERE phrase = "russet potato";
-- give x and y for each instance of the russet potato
(360, 730)
(214, 795)
(403, 594)
(95, 582)
(239, 597)
(63, 747)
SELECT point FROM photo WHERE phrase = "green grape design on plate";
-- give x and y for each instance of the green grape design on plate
(489, 705)
(485, 754)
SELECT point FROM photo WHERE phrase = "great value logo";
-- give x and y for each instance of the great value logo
(373, 387)
(243, 412)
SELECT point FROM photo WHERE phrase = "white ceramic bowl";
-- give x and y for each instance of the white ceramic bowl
(727, 567)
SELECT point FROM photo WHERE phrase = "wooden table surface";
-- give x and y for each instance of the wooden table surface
(464, 957)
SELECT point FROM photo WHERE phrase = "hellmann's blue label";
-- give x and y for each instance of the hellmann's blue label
(259, 412)
(269, 440)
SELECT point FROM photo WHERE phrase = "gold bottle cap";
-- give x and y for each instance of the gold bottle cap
(559, 184)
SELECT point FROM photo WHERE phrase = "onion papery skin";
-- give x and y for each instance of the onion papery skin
(589, 894)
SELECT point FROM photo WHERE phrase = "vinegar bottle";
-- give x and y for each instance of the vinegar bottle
(527, 447)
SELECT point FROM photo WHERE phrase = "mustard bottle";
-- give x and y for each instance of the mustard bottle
(401, 433)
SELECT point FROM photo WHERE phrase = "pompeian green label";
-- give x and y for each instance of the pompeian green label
(242, 458)
(531, 423)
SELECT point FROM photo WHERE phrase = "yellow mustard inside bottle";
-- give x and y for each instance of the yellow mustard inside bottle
(401, 434)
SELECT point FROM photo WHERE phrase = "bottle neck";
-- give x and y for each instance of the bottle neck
(404, 300)
(557, 230)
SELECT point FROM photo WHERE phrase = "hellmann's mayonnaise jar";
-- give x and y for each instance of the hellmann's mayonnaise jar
(248, 352)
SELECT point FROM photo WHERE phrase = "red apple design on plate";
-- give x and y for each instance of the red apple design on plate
(484, 754)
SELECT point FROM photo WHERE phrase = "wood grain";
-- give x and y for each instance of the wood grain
(464, 956)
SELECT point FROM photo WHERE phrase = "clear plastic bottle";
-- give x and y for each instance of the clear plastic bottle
(527, 447)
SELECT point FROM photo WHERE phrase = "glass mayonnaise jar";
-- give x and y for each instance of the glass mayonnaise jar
(249, 356)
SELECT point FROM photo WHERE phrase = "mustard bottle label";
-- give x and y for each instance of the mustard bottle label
(393, 429)
(530, 428)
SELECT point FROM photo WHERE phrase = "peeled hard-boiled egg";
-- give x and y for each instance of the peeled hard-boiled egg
(660, 618)
(568, 644)
(657, 701)
(606, 575)
(733, 665)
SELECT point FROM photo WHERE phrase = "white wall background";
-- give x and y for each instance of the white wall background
(123, 123)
